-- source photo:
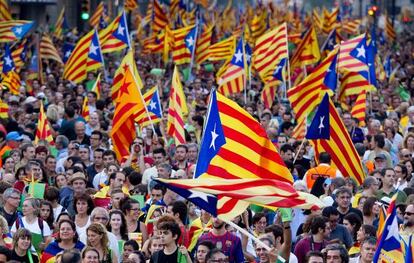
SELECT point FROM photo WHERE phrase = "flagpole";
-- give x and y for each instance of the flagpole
(190, 76)
(304, 139)
(244, 68)
(255, 239)
(288, 68)
(103, 60)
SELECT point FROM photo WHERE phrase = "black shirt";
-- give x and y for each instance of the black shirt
(161, 257)
(24, 259)
(10, 218)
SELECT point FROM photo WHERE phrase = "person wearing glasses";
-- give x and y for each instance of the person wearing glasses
(216, 256)
(11, 199)
(335, 253)
(408, 226)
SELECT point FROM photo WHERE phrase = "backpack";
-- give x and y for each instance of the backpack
(19, 222)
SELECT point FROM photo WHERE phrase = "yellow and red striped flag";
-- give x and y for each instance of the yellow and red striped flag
(183, 43)
(48, 50)
(317, 20)
(358, 111)
(153, 114)
(130, 5)
(270, 49)
(18, 54)
(352, 83)
(116, 35)
(351, 26)
(128, 103)
(338, 144)
(14, 30)
(177, 108)
(268, 94)
(196, 229)
(4, 110)
(307, 52)
(299, 131)
(159, 18)
(5, 14)
(86, 56)
(127, 61)
(43, 131)
(85, 108)
(389, 29)
(330, 20)
(352, 53)
(97, 86)
(99, 12)
(203, 44)
(60, 24)
(233, 79)
(222, 50)
(11, 81)
(258, 25)
(305, 96)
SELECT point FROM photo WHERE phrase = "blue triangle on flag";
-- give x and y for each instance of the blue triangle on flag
(21, 30)
(8, 63)
(238, 58)
(278, 72)
(319, 127)
(331, 76)
(360, 51)
(155, 105)
(190, 39)
(121, 32)
(95, 52)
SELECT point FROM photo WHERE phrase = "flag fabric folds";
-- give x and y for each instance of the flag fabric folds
(11, 81)
(222, 50)
(219, 196)
(43, 131)
(320, 125)
(4, 110)
(177, 108)
(184, 40)
(352, 54)
(236, 146)
(270, 49)
(305, 96)
(4, 11)
(116, 35)
(389, 247)
(8, 63)
(159, 19)
(339, 144)
(330, 20)
(85, 56)
(128, 103)
(98, 15)
(307, 51)
(60, 23)
(389, 30)
(48, 50)
(203, 44)
(154, 111)
(233, 79)
(67, 49)
(14, 30)
(358, 111)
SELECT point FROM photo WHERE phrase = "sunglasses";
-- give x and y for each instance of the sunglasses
(408, 213)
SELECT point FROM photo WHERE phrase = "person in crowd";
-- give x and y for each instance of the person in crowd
(129, 247)
(22, 242)
(83, 205)
(46, 213)
(11, 199)
(90, 255)
(118, 225)
(97, 237)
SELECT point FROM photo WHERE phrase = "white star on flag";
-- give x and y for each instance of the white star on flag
(321, 126)
(393, 230)
(19, 30)
(190, 41)
(278, 69)
(361, 51)
(238, 55)
(93, 49)
(201, 195)
(152, 105)
(248, 57)
(214, 136)
(67, 54)
(8, 61)
(120, 30)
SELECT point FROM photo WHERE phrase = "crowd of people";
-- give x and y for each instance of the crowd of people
(96, 208)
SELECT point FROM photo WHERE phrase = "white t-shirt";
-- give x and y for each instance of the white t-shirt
(33, 227)
(56, 211)
(82, 230)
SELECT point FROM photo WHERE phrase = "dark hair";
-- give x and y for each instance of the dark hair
(132, 243)
(72, 225)
(369, 240)
(256, 218)
(52, 194)
(84, 197)
(49, 220)
(317, 223)
(286, 147)
(108, 153)
(126, 204)
(182, 146)
(170, 225)
(62, 214)
(356, 221)
(324, 157)
(123, 231)
(330, 210)
(404, 170)
(212, 252)
(134, 178)
(313, 254)
(368, 204)
(276, 230)
(207, 243)
(71, 256)
(159, 150)
(160, 187)
(342, 252)
(380, 140)
(369, 230)
(286, 126)
(181, 208)
(96, 132)
(18, 172)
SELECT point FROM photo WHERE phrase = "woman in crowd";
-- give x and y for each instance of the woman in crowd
(129, 247)
(117, 225)
(22, 242)
(90, 255)
(97, 238)
(152, 245)
(371, 211)
(83, 205)
(46, 213)
(61, 181)
(67, 238)
(364, 232)
(31, 221)
(130, 208)
(352, 222)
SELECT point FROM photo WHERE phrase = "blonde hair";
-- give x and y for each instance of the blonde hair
(99, 229)
(21, 233)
